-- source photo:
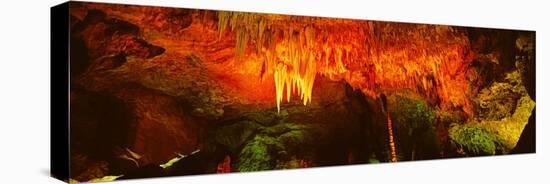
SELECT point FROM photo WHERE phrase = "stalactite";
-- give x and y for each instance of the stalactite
(242, 41)
(223, 18)
(291, 59)
(247, 26)
(293, 81)
(293, 50)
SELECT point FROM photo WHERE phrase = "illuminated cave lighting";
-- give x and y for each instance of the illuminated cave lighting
(294, 81)
(294, 52)
(373, 57)
(295, 66)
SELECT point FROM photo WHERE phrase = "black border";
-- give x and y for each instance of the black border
(59, 91)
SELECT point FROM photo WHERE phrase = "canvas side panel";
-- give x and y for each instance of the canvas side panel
(59, 81)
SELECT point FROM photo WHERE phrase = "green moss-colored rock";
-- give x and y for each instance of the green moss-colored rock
(410, 113)
(256, 155)
(275, 147)
(473, 140)
(500, 99)
(414, 131)
(235, 135)
(510, 107)
(265, 118)
(281, 128)
(497, 102)
(373, 161)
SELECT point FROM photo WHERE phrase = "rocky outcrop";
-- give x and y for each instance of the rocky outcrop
(526, 46)
(100, 123)
(112, 113)
(162, 129)
(103, 43)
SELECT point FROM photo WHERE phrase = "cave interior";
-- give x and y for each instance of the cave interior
(159, 91)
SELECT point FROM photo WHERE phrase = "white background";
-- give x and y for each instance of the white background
(25, 90)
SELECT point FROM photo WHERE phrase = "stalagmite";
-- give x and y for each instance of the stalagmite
(384, 104)
(392, 144)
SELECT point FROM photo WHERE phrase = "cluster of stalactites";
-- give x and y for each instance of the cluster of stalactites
(294, 52)
(295, 68)
(372, 56)
(247, 27)
(431, 60)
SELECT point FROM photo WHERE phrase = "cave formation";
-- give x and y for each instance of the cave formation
(219, 92)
